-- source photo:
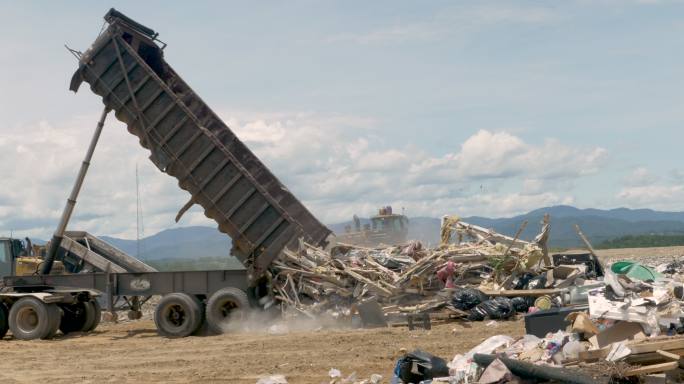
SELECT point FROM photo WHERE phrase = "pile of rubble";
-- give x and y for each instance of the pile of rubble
(585, 323)
(626, 326)
(401, 279)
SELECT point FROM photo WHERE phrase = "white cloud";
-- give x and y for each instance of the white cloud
(677, 175)
(337, 165)
(644, 189)
(340, 168)
(456, 21)
(533, 186)
(492, 155)
(652, 196)
(40, 162)
(640, 176)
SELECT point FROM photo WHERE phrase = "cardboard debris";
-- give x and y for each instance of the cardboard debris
(621, 331)
(581, 323)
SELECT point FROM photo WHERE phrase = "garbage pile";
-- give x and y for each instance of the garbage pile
(405, 279)
(631, 327)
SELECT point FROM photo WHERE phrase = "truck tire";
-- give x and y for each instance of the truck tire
(89, 319)
(4, 321)
(178, 315)
(56, 317)
(74, 318)
(30, 319)
(225, 305)
(97, 315)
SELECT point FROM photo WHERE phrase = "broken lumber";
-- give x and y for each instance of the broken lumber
(672, 356)
(653, 346)
(655, 368)
(524, 292)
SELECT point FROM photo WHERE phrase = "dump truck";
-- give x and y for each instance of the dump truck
(125, 66)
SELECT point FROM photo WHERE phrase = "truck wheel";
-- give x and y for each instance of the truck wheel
(97, 312)
(56, 317)
(75, 317)
(4, 323)
(225, 305)
(89, 321)
(30, 318)
(178, 315)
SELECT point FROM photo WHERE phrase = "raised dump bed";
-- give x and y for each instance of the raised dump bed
(189, 141)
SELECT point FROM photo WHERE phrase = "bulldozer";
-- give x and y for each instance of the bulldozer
(386, 227)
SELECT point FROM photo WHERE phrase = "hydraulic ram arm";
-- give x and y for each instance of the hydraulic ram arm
(71, 201)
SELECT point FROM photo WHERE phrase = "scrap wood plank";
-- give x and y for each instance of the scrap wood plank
(672, 356)
(463, 258)
(380, 289)
(655, 368)
(316, 275)
(523, 292)
(595, 354)
(651, 357)
(652, 346)
(651, 351)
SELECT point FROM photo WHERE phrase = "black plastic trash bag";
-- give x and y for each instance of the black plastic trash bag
(521, 281)
(419, 365)
(496, 308)
(537, 282)
(520, 304)
(467, 298)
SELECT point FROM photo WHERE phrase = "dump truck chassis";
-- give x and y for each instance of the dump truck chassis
(190, 299)
(40, 314)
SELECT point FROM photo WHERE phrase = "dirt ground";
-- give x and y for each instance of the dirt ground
(132, 351)
(643, 254)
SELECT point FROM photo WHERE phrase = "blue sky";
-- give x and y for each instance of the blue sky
(471, 108)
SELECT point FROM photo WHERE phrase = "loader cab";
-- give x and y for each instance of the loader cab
(10, 249)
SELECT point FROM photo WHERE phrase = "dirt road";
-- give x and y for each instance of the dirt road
(132, 352)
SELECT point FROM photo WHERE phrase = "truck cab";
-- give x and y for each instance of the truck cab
(38, 312)
(10, 249)
(23, 258)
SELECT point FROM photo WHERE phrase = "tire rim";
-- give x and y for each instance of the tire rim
(174, 315)
(27, 320)
(227, 308)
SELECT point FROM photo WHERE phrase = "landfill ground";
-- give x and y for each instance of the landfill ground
(132, 351)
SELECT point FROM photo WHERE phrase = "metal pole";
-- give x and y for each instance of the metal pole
(71, 201)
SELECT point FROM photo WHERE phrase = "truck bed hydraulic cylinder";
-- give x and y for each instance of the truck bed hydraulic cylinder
(71, 201)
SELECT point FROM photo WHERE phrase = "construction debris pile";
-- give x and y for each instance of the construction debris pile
(626, 326)
(585, 323)
(401, 279)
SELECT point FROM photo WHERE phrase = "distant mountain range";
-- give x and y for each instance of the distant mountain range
(177, 243)
(599, 225)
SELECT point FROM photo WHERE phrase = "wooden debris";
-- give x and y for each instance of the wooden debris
(524, 292)
(655, 368)
(404, 278)
(672, 356)
(655, 345)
